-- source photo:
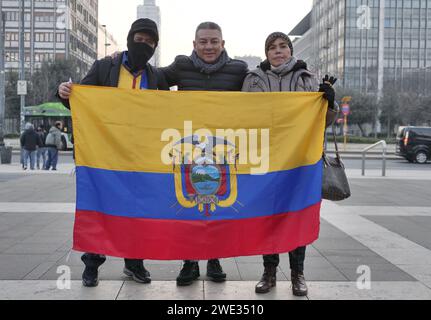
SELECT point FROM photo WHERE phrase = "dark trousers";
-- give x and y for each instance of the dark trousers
(92, 260)
(296, 257)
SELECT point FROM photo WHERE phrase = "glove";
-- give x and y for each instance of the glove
(327, 88)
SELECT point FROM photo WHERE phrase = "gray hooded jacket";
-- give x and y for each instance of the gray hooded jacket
(53, 140)
(290, 77)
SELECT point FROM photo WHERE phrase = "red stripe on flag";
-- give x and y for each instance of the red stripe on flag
(194, 240)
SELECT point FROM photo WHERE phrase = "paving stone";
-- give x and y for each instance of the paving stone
(250, 259)
(379, 291)
(378, 273)
(348, 253)
(161, 291)
(164, 272)
(160, 262)
(6, 243)
(245, 290)
(422, 272)
(46, 239)
(111, 272)
(28, 248)
(253, 272)
(389, 191)
(39, 271)
(321, 274)
(16, 267)
(357, 259)
(336, 243)
(416, 229)
(331, 260)
(48, 290)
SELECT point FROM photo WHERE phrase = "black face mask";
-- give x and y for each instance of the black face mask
(139, 54)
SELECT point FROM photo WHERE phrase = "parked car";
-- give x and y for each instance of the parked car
(414, 144)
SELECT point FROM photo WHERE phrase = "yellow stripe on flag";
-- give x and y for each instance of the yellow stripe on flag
(121, 129)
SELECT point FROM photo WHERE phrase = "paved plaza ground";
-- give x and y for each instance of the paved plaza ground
(385, 226)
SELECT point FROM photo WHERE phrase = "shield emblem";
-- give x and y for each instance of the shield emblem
(205, 179)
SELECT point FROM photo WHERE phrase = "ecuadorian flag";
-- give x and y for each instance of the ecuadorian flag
(196, 175)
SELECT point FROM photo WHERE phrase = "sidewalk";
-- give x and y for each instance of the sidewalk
(204, 290)
(351, 147)
(36, 240)
(384, 227)
(353, 151)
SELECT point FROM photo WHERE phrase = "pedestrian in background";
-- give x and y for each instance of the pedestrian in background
(53, 144)
(41, 152)
(30, 141)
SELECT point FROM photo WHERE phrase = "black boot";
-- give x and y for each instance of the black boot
(188, 274)
(268, 281)
(90, 277)
(215, 271)
(136, 270)
(299, 286)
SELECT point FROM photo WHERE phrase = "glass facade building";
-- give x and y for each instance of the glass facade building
(347, 36)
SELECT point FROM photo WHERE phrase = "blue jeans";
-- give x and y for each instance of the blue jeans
(52, 159)
(29, 154)
(41, 152)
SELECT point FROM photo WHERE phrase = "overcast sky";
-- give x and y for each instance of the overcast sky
(245, 23)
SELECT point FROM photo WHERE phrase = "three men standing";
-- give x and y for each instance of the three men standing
(209, 68)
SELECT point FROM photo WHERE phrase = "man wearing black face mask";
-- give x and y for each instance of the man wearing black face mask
(131, 70)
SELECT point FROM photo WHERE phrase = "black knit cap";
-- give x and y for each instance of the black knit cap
(277, 35)
(144, 25)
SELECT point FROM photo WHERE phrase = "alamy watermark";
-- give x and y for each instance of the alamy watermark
(364, 21)
(62, 17)
(64, 280)
(222, 147)
(364, 280)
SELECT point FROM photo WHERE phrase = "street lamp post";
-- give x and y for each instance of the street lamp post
(327, 47)
(380, 71)
(22, 58)
(106, 39)
(2, 78)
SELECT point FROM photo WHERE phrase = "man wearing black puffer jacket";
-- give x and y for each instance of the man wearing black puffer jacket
(209, 68)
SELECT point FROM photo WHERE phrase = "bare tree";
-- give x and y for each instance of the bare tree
(45, 81)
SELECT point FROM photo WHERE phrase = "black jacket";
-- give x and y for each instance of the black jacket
(187, 77)
(30, 140)
(106, 72)
(42, 136)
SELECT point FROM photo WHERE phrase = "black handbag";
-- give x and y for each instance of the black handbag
(335, 184)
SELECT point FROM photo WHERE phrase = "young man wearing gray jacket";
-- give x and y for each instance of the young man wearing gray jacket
(53, 144)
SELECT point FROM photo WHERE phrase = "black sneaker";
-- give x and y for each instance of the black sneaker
(138, 273)
(90, 277)
(215, 271)
(188, 274)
